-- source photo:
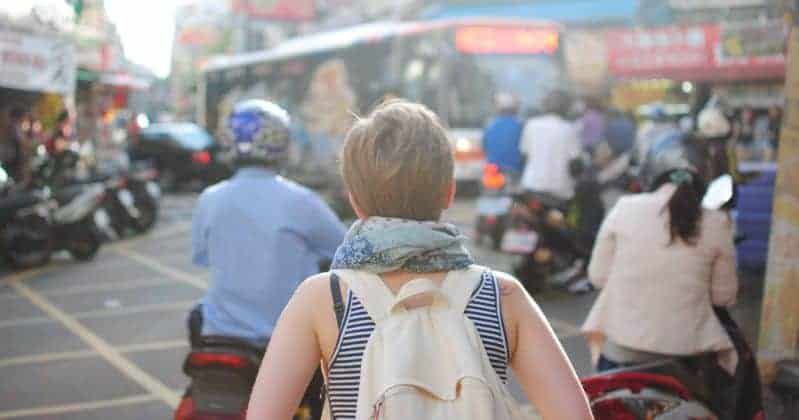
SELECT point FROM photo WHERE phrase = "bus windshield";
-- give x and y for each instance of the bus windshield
(477, 78)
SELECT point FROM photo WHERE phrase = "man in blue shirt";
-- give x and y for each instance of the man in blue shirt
(502, 135)
(260, 234)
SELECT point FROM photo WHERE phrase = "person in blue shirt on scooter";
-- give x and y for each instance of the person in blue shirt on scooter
(502, 135)
(260, 234)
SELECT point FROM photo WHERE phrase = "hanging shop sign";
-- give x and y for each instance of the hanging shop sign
(713, 4)
(703, 52)
(37, 63)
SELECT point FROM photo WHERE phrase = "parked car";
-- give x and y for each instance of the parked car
(183, 153)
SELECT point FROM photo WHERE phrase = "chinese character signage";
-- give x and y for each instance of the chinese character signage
(702, 52)
(36, 63)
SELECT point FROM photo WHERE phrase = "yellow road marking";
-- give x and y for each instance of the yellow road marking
(129, 310)
(85, 354)
(47, 357)
(10, 323)
(70, 408)
(106, 351)
(103, 313)
(103, 287)
(174, 229)
(158, 345)
(164, 269)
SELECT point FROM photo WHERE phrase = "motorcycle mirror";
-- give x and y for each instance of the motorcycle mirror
(719, 193)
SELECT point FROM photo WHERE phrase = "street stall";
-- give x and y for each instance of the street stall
(37, 68)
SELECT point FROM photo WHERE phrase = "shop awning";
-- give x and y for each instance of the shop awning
(125, 80)
(569, 11)
(38, 63)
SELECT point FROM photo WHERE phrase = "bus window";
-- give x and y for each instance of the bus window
(477, 78)
(419, 69)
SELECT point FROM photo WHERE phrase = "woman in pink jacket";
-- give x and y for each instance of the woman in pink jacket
(662, 262)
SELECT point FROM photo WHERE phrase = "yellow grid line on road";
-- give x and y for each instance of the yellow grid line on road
(104, 287)
(103, 313)
(85, 354)
(137, 309)
(175, 229)
(84, 406)
(106, 351)
(21, 322)
(47, 357)
(152, 263)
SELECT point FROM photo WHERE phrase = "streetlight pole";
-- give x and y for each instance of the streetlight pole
(779, 328)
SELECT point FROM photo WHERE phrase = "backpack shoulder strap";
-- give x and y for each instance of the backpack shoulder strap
(459, 285)
(335, 292)
(375, 296)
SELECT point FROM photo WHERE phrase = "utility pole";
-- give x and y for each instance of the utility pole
(779, 328)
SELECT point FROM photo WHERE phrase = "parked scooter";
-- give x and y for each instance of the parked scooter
(132, 201)
(39, 221)
(493, 206)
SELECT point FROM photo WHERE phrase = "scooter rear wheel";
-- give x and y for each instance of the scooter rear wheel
(148, 215)
(28, 243)
(85, 248)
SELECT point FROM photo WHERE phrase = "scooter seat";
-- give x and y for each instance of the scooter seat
(673, 368)
(207, 341)
(67, 194)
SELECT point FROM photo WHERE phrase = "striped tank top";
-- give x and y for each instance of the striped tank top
(484, 310)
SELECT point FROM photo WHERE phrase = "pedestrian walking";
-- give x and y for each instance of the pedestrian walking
(399, 265)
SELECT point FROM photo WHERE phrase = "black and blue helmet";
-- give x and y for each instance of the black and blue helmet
(258, 130)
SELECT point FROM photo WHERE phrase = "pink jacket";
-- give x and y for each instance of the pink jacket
(658, 297)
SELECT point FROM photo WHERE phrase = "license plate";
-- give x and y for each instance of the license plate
(519, 241)
(494, 206)
(125, 197)
(153, 189)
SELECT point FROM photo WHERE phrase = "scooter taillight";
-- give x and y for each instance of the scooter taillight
(188, 411)
(493, 177)
(201, 360)
(202, 157)
(534, 204)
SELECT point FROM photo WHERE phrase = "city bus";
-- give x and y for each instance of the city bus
(325, 80)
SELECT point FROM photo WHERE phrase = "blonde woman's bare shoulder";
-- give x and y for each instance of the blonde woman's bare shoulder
(509, 285)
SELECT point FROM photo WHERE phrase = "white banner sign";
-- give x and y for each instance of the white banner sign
(713, 4)
(37, 63)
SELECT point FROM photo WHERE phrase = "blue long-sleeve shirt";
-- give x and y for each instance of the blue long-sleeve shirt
(501, 143)
(261, 235)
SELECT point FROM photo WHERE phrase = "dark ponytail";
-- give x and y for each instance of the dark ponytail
(685, 206)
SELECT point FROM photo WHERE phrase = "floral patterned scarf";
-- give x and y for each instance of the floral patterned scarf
(380, 245)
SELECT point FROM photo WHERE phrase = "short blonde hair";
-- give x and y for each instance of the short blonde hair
(398, 162)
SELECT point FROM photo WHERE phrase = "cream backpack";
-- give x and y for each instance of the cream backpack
(425, 359)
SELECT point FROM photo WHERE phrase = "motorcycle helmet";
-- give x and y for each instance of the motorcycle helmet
(713, 124)
(506, 102)
(258, 131)
(673, 152)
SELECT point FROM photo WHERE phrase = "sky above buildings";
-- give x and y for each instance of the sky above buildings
(147, 29)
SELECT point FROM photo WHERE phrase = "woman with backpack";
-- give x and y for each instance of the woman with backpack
(405, 325)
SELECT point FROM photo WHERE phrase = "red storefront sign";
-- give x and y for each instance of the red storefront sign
(684, 53)
(288, 10)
